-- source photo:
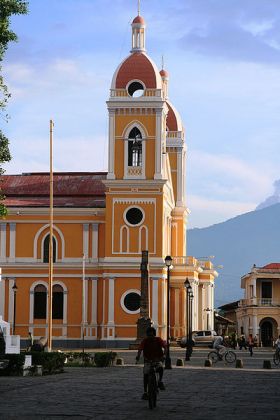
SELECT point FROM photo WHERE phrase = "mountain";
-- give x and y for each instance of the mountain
(238, 243)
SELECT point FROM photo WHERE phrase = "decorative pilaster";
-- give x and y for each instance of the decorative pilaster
(3, 239)
(12, 256)
(158, 151)
(111, 157)
(85, 239)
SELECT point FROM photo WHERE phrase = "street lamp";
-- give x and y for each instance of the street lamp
(188, 320)
(15, 289)
(168, 263)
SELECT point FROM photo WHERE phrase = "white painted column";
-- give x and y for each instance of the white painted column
(94, 307)
(203, 307)
(2, 296)
(111, 309)
(177, 313)
(255, 325)
(12, 242)
(158, 151)
(155, 302)
(111, 151)
(11, 301)
(3, 239)
(85, 239)
(95, 240)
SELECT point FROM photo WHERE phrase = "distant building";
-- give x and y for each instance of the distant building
(259, 312)
(105, 220)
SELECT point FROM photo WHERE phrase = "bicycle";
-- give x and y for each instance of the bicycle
(276, 357)
(228, 355)
(152, 385)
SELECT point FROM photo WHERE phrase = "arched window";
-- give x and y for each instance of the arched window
(46, 249)
(135, 148)
(57, 303)
(40, 302)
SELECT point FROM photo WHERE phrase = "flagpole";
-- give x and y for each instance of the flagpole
(50, 242)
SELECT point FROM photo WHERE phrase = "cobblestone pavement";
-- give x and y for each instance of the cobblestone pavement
(192, 392)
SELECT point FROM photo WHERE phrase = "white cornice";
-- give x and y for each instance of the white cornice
(77, 211)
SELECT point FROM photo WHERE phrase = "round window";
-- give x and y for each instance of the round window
(134, 216)
(135, 89)
(132, 301)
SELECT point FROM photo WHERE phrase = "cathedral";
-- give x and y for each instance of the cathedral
(102, 223)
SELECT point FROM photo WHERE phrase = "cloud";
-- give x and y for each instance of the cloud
(236, 30)
(228, 178)
(207, 211)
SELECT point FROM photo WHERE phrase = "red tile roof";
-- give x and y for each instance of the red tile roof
(273, 266)
(71, 189)
(136, 66)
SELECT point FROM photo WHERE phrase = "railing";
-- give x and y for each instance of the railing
(259, 302)
(122, 93)
(192, 261)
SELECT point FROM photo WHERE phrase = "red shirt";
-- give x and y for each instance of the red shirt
(152, 348)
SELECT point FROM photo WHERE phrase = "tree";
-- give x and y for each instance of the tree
(8, 8)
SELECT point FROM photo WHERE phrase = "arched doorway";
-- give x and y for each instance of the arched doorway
(268, 329)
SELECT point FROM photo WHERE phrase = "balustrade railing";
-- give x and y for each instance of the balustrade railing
(122, 93)
(259, 302)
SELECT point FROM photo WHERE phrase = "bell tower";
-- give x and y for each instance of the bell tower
(139, 179)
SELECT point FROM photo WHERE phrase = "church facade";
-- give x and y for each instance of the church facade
(103, 222)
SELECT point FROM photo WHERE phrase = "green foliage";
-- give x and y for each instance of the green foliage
(75, 359)
(8, 8)
(104, 359)
(52, 362)
(15, 365)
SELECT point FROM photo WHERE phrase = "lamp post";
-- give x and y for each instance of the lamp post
(189, 297)
(15, 289)
(168, 263)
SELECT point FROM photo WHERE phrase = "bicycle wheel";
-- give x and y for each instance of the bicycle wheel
(230, 356)
(152, 390)
(276, 359)
(213, 356)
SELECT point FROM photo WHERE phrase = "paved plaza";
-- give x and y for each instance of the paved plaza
(192, 392)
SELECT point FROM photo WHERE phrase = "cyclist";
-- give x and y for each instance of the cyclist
(154, 350)
(218, 345)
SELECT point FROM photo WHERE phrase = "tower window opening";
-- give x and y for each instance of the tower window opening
(135, 148)
(46, 249)
(135, 89)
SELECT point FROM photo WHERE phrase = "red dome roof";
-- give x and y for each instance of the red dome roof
(164, 73)
(137, 66)
(139, 19)
(173, 121)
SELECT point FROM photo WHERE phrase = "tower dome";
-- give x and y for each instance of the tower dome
(137, 67)
(173, 121)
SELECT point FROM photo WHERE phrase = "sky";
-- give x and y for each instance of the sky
(223, 58)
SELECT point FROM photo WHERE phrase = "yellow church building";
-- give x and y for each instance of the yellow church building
(103, 221)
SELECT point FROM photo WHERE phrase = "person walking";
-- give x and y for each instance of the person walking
(29, 341)
(250, 344)
(242, 343)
